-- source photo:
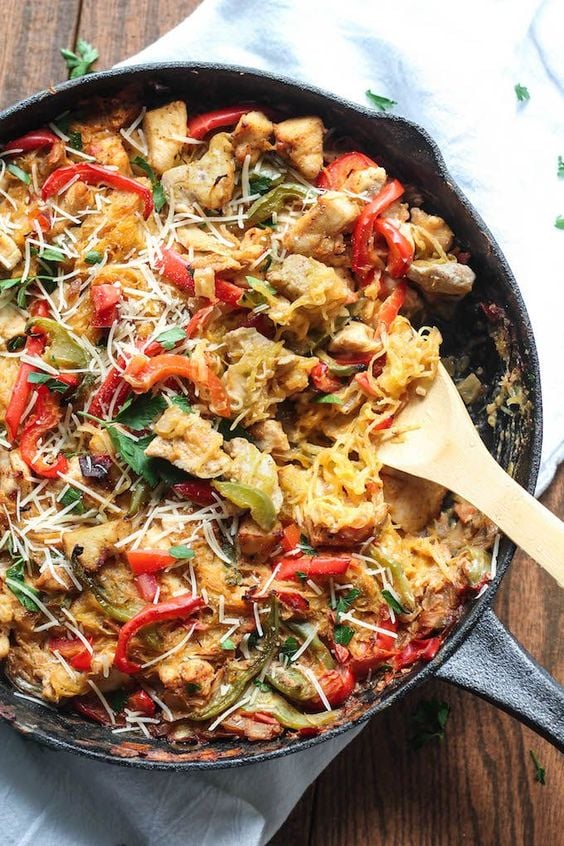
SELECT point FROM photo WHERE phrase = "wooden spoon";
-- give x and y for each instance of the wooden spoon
(444, 447)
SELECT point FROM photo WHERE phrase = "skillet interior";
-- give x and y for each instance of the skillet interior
(408, 153)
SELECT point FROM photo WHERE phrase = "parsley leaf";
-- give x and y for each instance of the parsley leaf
(159, 196)
(228, 644)
(262, 686)
(73, 497)
(16, 343)
(171, 337)
(559, 222)
(305, 547)
(259, 183)
(182, 402)
(393, 603)
(224, 428)
(192, 688)
(140, 413)
(37, 378)
(117, 699)
(51, 253)
(289, 647)
(75, 139)
(181, 552)
(18, 173)
(93, 257)
(522, 93)
(133, 454)
(381, 103)
(560, 170)
(429, 721)
(343, 634)
(329, 399)
(79, 63)
(344, 603)
(16, 582)
(540, 771)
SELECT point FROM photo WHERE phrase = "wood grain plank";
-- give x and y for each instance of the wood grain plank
(120, 28)
(29, 46)
(475, 788)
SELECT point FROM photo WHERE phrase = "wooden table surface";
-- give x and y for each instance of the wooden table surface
(478, 786)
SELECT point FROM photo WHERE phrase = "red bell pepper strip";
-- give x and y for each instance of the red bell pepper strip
(335, 174)
(73, 651)
(173, 267)
(141, 701)
(178, 608)
(147, 585)
(290, 537)
(94, 174)
(292, 600)
(114, 384)
(21, 393)
(337, 685)
(33, 140)
(417, 650)
(199, 321)
(93, 709)
(46, 415)
(143, 373)
(362, 263)
(227, 293)
(149, 560)
(201, 493)
(322, 380)
(400, 248)
(368, 655)
(202, 124)
(105, 299)
(359, 360)
(312, 566)
(391, 306)
(386, 423)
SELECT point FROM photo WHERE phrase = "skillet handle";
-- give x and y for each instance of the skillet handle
(493, 665)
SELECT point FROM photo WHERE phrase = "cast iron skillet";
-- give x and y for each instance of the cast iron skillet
(479, 654)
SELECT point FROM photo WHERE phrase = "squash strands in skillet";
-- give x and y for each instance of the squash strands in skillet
(208, 323)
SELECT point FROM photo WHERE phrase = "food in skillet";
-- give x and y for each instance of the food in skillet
(205, 334)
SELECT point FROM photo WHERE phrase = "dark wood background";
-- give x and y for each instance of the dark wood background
(478, 786)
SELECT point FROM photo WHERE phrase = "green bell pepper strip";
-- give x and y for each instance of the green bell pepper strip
(238, 678)
(291, 682)
(121, 613)
(401, 584)
(245, 496)
(265, 206)
(140, 497)
(63, 350)
(286, 714)
(316, 645)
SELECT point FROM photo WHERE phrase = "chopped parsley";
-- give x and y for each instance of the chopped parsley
(51, 253)
(522, 93)
(343, 635)
(381, 103)
(75, 139)
(181, 552)
(93, 257)
(73, 497)
(305, 546)
(540, 771)
(262, 686)
(329, 399)
(392, 602)
(225, 428)
(18, 173)
(133, 454)
(560, 169)
(16, 343)
(171, 337)
(429, 721)
(79, 63)
(259, 183)
(37, 378)
(192, 688)
(559, 222)
(140, 413)
(228, 644)
(15, 581)
(159, 196)
(289, 647)
(344, 602)
(182, 402)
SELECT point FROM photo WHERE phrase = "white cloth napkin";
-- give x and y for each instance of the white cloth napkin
(452, 69)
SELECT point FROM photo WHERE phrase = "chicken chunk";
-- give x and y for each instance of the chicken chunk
(190, 442)
(208, 251)
(181, 671)
(301, 141)
(252, 467)
(10, 253)
(160, 126)
(209, 181)
(97, 542)
(368, 181)
(108, 149)
(270, 436)
(354, 338)
(11, 323)
(319, 232)
(413, 502)
(261, 373)
(435, 226)
(443, 278)
(37, 666)
(256, 543)
(251, 136)
(10, 367)
(14, 477)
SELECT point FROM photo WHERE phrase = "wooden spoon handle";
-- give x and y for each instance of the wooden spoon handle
(520, 516)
